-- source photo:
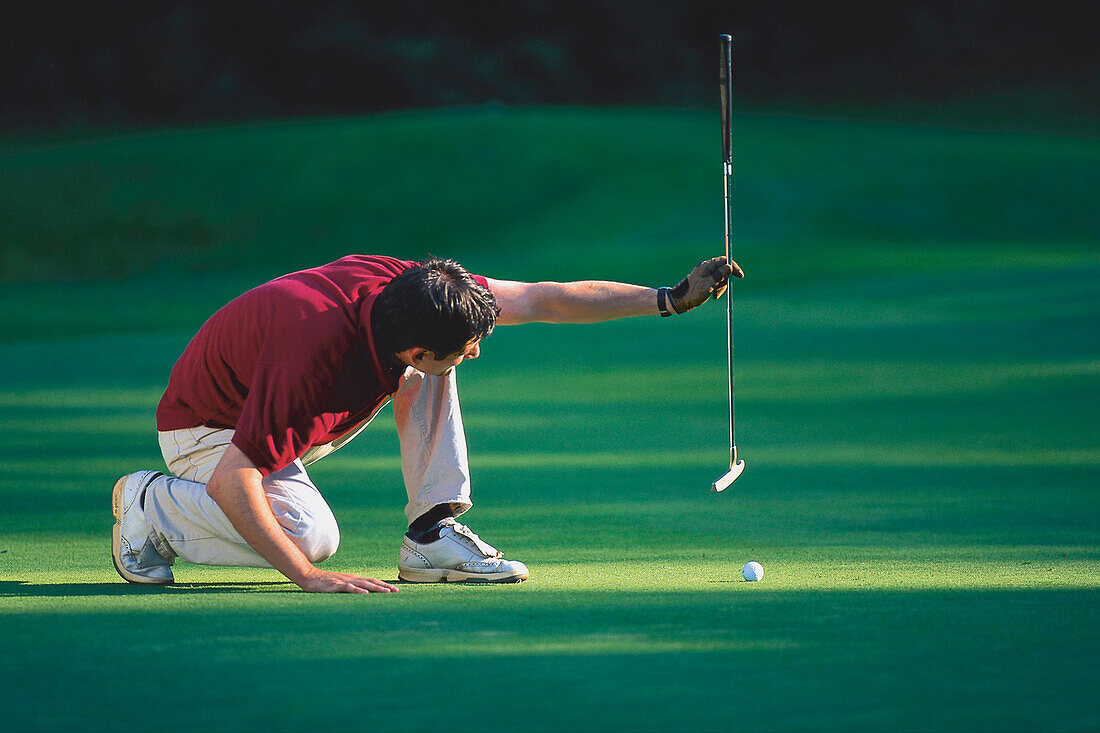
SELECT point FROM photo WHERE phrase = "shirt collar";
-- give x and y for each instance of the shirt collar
(387, 376)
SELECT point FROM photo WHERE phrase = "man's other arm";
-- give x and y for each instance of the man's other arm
(591, 301)
(236, 486)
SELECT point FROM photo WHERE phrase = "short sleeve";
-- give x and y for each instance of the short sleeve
(279, 420)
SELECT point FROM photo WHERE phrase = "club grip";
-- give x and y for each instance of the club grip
(725, 94)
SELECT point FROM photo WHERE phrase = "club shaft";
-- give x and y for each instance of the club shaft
(725, 93)
(729, 326)
(725, 78)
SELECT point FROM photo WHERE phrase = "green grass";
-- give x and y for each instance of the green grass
(918, 354)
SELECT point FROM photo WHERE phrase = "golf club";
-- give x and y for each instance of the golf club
(725, 78)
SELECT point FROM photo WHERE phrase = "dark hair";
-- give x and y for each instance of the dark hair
(436, 305)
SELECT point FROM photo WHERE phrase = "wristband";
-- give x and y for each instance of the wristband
(662, 302)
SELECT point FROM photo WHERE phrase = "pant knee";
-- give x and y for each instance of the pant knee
(302, 512)
(320, 541)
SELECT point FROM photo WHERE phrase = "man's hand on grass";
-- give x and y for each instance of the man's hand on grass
(324, 581)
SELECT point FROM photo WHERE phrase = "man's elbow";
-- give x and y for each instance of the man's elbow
(550, 304)
(215, 488)
(232, 477)
(529, 303)
(221, 487)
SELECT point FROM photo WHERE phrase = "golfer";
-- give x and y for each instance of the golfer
(292, 370)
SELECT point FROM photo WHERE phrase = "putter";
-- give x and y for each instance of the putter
(725, 93)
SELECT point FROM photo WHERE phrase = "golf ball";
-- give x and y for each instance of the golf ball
(752, 571)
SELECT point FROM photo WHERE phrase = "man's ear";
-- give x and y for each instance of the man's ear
(413, 355)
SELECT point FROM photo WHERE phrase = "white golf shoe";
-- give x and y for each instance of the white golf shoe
(136, 559)
(458, 556)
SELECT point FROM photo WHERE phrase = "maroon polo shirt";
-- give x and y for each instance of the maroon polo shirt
(288, 365)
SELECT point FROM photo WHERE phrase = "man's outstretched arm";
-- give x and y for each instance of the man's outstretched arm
(591, 301)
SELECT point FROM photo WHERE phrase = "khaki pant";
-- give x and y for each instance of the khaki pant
(186, 523)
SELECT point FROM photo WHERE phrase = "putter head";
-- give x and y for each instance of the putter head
(731, 475)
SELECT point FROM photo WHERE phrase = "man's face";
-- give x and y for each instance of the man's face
(426, 362)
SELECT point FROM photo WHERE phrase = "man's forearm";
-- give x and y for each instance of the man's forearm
(591, 301)
(587, 301)
(236, 487)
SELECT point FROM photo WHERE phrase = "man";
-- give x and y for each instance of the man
(293, 369)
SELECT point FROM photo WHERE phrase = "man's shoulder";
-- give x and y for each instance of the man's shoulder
(361, 266)
(346, 280)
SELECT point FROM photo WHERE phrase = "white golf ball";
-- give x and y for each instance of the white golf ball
(752, 571)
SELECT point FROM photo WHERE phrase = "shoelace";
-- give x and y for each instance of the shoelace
(484, 547)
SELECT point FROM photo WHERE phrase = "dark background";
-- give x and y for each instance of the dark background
(125, 63)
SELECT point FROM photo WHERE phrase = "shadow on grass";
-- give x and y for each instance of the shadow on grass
(18, 588)
(22, 589)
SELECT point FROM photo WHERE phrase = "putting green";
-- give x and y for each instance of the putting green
(918, 352)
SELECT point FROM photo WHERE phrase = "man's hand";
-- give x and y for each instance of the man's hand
(324, 581)
(707, 280)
